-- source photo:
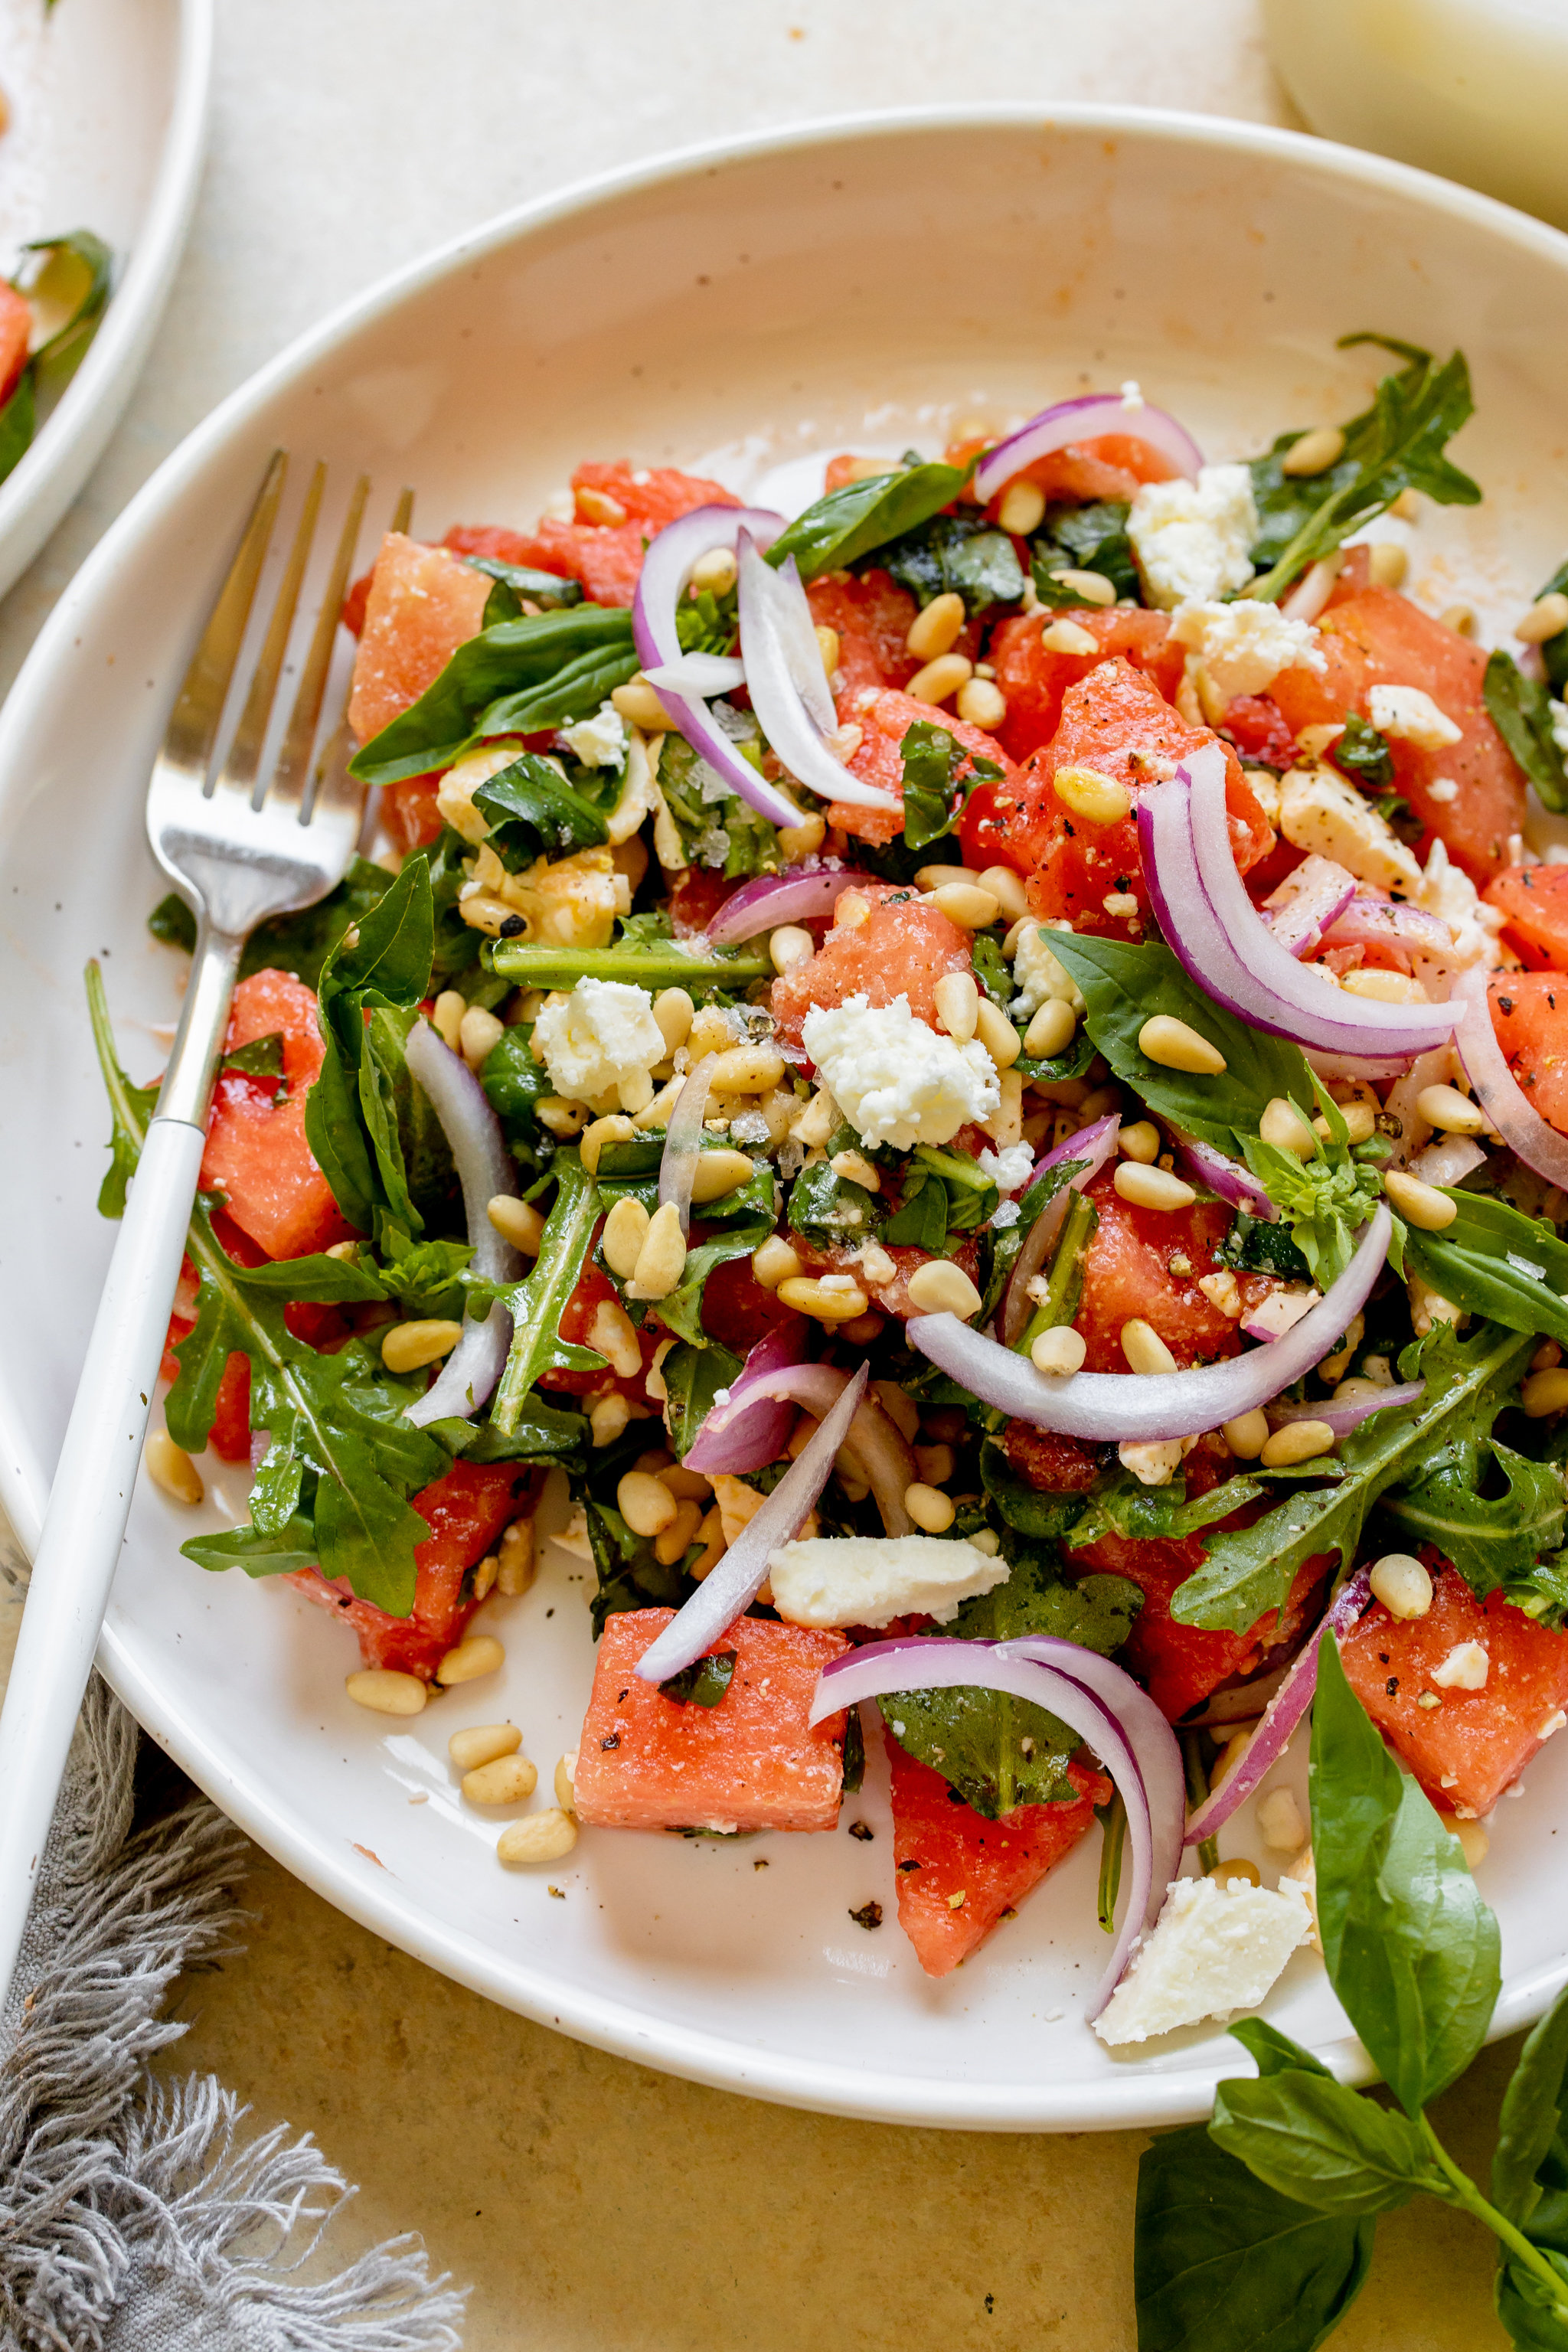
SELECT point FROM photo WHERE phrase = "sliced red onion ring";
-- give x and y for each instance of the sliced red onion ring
(703, 675)
(1448, 1162)
(1228, 1178)
(804, 895)
(756, 1423)
(683, 1141)
(1149, 1407)
(1088, 418)
(1498, 1092)
(875, 1448)
(932, 1662)
(1280, 1716)
(667, 568)
(1307, 902)
(1342, 1418)
(1380, 922)
(1094, 1146)
(1312, 591)
(485, 1167)
(734, 1584)
(786, 681)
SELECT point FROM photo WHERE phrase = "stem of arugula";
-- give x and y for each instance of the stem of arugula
(1462, 2191)
(1197, 1789)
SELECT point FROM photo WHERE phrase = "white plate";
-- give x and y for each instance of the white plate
(875, 280)
(109, 102)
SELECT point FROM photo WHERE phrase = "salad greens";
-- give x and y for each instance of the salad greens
(67, 282)
(848, 523)
(1519, 708)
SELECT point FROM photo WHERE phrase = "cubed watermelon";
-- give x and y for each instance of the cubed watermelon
(256, 1154)
(423, 604)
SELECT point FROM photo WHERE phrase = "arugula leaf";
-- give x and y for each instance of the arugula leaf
(1494, 1541)
(1411, 1949)
(382, 967)
(940, 772)
(1520, 709)
(1248, 1571)
(846, 524)
(1396, 445)
(1089, 537)
(704, 1682)
(1495, 1262)
(1362, 754)
(647, 961)
(1123, 985)
(515, 1085)
(536, 1303)
(957, 555)
(297, 943)
(534, 812)
(1314, 2140)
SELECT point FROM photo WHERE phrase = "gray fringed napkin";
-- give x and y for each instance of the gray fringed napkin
(132, 2217)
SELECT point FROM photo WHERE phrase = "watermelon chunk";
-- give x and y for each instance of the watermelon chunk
(903, 948)
(423, 604)
(1533, 902)
(957, 1873)
(753, 1762)
(256, 1153)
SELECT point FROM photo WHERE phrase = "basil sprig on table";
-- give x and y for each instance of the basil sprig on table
(1255, 2233)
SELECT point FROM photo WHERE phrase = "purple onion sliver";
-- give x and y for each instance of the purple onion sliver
(683, 1141)
(1088, 417)
(1342, 1418)
(1228, 1178)
(804, 895)
(1498, 1091)
(485, 1167)
(793, 708)
(1094, 1146)
(756, 1423)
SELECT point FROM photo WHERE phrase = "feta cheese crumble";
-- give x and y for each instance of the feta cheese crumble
(1466, 1667)
(1319, 812)
(896, 1080)
(1213, 1950)
(1244, 645)
(1038, 975)
(604, 1034)
(870, 1579)
(1447, 890)
(1194, 539)
(1009, 1167)
(599, 741)
(1410, 716)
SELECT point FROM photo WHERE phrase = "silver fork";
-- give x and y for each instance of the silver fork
(240, 847)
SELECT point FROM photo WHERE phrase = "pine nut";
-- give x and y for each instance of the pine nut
(673, 1542)
(565, 1781)
(1088, 587)
(1299, 1441)
(538, 1837)
(607, 1416)
(1008, 888)
(516, 1556)
(1069, 637)
(936, 1464)
(516, 1222)
(982, 702)
(1315, 452)
(1098, 800)
(996, 1033)
(562, 1119)
(715, 572)
(966, 904)
(385, 1692)
(809, 1295)
(686, 1486)
(1058, 1351)
(1360, 1118)
(1546, 1356)
(932, 1512)
(1283, 1127)
(447, 1018)
(939, 1287)
(1237, 1873)
(1387, 565)
(718, 1173)
(957, 1005)
(1140, 1141)
(790, 946)
(645, 1503)
(856, 1169)
(774, 1262)
(940, 677)
(936, 627)
(1051, 1030)
(408, 1346)
(1446, 1108)
(1407, 506)
(1280, 1821)
(1384, 987)
(747, 1070)
(1099, 1105)
(661, 1261)
(1143, 1348)
(712, 1533)
(599, 507)
(931, 877)
(1248, 1435)
(1023, 508)
(1175, 1046)
(477, 1033)
(481, 1743)
(639, 705)
(616, 1127)
(613, 1333)
(798, 841)
(1151, 1188)
(1419, 1204)
(170, 1467)
(485, 1575)
(1544, 1393)
(1460, 618)
(626, 1230)
(505, 1782)
(673, 1014)
(480, 1655)
(1005, 1124)
(1402, 1584)
(1224, 1293)
(829, 646)
(1547, 617)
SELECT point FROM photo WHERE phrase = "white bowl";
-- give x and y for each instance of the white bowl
(729, 311)
(116, 146)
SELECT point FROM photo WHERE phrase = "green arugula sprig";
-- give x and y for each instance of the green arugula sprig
(1519, 708)
(380, 968)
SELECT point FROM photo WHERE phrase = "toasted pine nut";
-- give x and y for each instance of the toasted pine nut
(957, 1005)
(662, 1260)
(1143, 1348)
(516, 1222)
(1407, 506)
(1151, 1188)
(1237, 1873)
(996, 1033)
(480, 1655)
(1403, 1585)
(538, 1837)
(615, 1127)
(1023, 508)
(931, 877)
(1175, 1046)
(478, 1032)
(639, 705)
(562, 1119)
(614, 1335)
(1248, 1435)
(447, 1018)
(481, 1743)
(932, 1512)
(485, 1575)
(1446, 1108)
(1005, 1124)
(516, 1556)
(982, 702)
(626, 1230)
(1460, 618)
(1066, 637)
(407, 1346)
(936, 1464)
(1279, 1818)
(719, 1173)
(966, 904)
(565, 1778)
(1088, 587)
(798, 841)
(1419, 1204)
(936, 627)
(1299, 1441)
(941, 1287)
(387, 1692)
(747, 1070)
(1387, 565)
(715, 572)
(1544, 1393)
(598, 505)
(1314, 453)
(1060, 1350)
(1051, 1030)
(1140, 1142)
(170, 1467)
(829, 646)
(774, 1262)
(1098, 800)
(790, 946)
(1286, 1130)
(810, 1297)
(505, 1782)
(1008, 888)
(711, 1032)
(673, 1014)
(674, 1541)
(1547, 617)
(1360, 1118)
(645, 1503)
(940, 677)
(607, 1416)
(1384, 987)
(856, 1169)
(710, 1533)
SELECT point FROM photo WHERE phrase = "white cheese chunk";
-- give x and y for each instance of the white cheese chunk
(599, 741)
(1410, 716)
(1244, 645)
(602, 1034)
(1213, 1950)
(896, 1080)
(870, 1579)
(1038, 975)
(1194, 539)
(1009, 1167)
(1448, 890)
(1319, 813)
(1466, 1667)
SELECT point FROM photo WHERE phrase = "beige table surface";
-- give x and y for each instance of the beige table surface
(591, 2203)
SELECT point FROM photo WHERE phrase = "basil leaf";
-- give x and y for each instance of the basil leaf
(717, 828)
(19, 422)
(516, 580)
(1362, 754)
(1411, 1949)
(1314, 2140)
(1534, 2323)
(1520, 709)
(920, 1220)
(1090, 538)
(534, 812)
(261, 1058)
(692, 1378)
(1529, 2130)
(1493, 1261)
(704, 1682)
(828, 1209)
(847, 523)
(940, 772)
(960, 555)
(537, 1302)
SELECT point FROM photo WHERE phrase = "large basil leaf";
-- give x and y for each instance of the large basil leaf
(1314, 2140)
(960, 555)
(847, 523)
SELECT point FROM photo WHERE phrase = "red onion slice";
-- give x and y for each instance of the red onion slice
(703, 675)
(1312, 591)
(786, 681)
(734, 1584)
(804, 895)
(485, 1167)
(1381, 923)
(1228, 1178)
(667, 568)
(756, 1423)
(1498, 1092)
(1280, 1716)
(1448, 1162)
(933, 1663)
(1088, 418)
(875, 1448)
(1149, 1407)
(1309, 899)
(1342, 1418)
(1093, 1145)
(683, 1141)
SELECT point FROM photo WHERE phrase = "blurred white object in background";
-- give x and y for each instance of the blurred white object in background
(1477, 89)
